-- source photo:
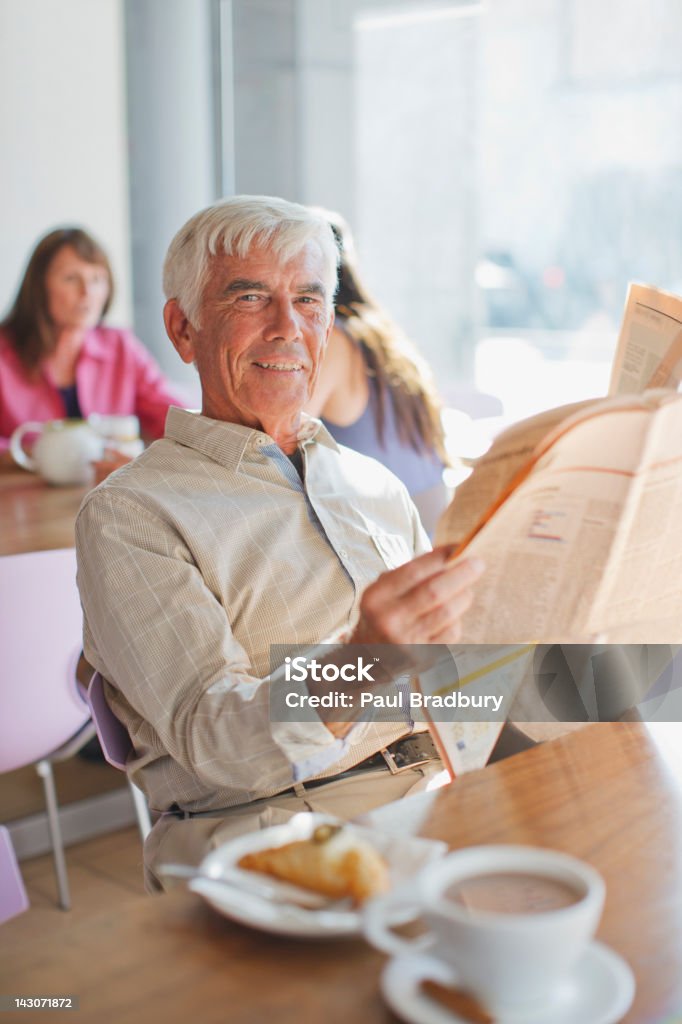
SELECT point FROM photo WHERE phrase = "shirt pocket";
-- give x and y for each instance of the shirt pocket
(393, 548)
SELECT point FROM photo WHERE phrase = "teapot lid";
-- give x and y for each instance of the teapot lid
(65, 424)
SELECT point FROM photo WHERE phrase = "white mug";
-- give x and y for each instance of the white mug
(119, 432)
(63, 452)
(509, 961)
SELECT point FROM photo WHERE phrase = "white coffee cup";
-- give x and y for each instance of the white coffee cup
(63, 452)
(510, 961)
(119, 432)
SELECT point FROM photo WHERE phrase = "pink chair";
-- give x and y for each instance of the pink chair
(13, 898)
(43, 718)
(116, 746)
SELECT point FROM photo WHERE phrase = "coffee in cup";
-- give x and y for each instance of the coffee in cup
(511, 921)
(512, 893)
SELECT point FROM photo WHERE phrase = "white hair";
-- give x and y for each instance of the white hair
(235, 224)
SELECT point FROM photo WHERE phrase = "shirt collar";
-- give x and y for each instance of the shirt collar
(226, 443)
(318, 432)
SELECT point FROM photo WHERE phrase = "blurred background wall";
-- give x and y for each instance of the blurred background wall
(63, 131)
(507, 165)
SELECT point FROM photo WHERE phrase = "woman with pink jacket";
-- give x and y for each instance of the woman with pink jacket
(58, 360)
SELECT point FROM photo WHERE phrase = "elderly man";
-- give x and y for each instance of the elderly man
(246, 527)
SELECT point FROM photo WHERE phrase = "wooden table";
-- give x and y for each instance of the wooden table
(34, 516)
(605, 794)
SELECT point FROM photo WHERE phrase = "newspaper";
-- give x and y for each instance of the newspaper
(466, 745)
(583, 539)
(577, 513)
(649, 351)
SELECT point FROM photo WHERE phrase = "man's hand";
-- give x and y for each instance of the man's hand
(422, 602)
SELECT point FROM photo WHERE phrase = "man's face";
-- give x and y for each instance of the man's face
(264, 326)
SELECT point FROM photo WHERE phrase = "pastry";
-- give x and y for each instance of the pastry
(460, 1003)
(332, 862)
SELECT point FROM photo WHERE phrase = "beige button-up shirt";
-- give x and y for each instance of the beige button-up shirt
(193, 561)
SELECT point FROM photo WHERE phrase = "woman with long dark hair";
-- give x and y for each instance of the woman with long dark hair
(375, 393)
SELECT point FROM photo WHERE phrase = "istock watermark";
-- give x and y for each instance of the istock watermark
(482, 682)
(301, 668)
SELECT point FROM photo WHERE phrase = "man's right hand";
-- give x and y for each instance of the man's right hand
(422, 602)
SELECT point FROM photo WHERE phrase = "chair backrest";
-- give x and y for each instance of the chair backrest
(13, 898)
(116, 746)
(113, 735)
(40, 640)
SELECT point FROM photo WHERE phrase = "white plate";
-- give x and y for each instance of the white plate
(405, 857)
(599, 990)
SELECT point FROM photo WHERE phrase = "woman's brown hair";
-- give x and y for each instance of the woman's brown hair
(28, 323)
(402, 376)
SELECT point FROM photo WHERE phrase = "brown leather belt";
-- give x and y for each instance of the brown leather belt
(408, 752)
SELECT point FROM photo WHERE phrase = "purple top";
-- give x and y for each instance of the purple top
(419, 471)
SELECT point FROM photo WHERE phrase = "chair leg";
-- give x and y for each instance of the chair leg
(44, 769)
(144, 820)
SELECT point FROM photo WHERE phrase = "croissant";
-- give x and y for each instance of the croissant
(331, 862)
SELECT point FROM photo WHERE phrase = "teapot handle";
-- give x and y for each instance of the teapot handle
(20, 456)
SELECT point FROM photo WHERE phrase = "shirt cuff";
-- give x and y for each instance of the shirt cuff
(309, 746)
(322, 760)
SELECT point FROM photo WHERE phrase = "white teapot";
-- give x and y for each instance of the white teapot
(63, 452)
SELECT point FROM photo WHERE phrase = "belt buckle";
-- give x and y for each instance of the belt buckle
(407, 761)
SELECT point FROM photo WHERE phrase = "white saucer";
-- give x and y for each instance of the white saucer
(600, 990)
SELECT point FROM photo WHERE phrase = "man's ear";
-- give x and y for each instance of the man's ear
(179, 330)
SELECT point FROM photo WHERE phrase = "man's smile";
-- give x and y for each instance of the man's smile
(280, 367)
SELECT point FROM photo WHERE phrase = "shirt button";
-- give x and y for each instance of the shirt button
(343, 553)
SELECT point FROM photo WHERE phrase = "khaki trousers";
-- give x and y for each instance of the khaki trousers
(175, 840)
